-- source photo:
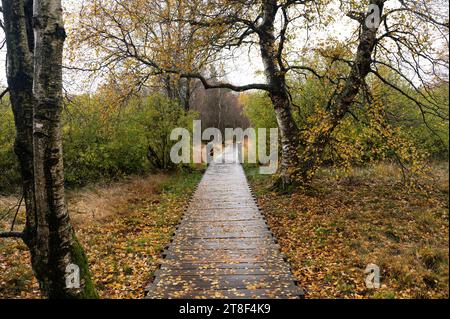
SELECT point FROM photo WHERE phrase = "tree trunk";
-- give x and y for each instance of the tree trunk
(276, 80)
(289, 143)
(17, 15)
(187, 96)
(313, 153)
(54, 247)
(36, 107)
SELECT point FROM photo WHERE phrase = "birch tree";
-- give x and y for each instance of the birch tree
(401, 41)
(35, 37)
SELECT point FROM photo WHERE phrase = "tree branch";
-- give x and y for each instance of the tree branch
(2, 95)
(221, 85)
(11, 235)
(305, 68)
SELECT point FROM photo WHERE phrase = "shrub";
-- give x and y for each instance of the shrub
(109, 141)
(383, 129)
(103, 137)
(9, 169)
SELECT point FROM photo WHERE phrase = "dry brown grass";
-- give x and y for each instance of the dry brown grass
(343, 223)
(100, 201)
(123, 227)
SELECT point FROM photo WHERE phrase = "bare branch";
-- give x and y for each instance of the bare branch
(305, 68)
(17, 212)
(5, 91)
(221, 85)
(12, 235)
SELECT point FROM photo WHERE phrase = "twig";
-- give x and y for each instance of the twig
(7, 212)
(11, 235)
(2, 95)
(17, 211)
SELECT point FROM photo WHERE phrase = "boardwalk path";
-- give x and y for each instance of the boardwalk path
(223, 248)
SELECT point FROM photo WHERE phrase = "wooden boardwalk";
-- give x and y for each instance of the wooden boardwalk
(223, 247)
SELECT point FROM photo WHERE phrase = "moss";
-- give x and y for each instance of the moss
(80, 259)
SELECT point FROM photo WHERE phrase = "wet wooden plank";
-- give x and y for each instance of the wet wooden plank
(267, 265)
(246, 281)
(222, 271)
(224, 222)
(244, 255)
(223, 243)
(222, 231)
(223, 248)
(231, 216)
(280, 293)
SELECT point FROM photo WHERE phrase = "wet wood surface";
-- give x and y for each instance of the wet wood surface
(223, 247)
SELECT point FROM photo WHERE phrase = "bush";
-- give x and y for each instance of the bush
(9, 169)
(104, 138)
(96, 145)
(156, 117)
(370, 133)
(258, 108)
(109, 141)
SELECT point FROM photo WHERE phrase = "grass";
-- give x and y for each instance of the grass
(329, 232)
(333, 230)
(123, 228)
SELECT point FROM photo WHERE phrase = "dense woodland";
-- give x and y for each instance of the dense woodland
(94, 90)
